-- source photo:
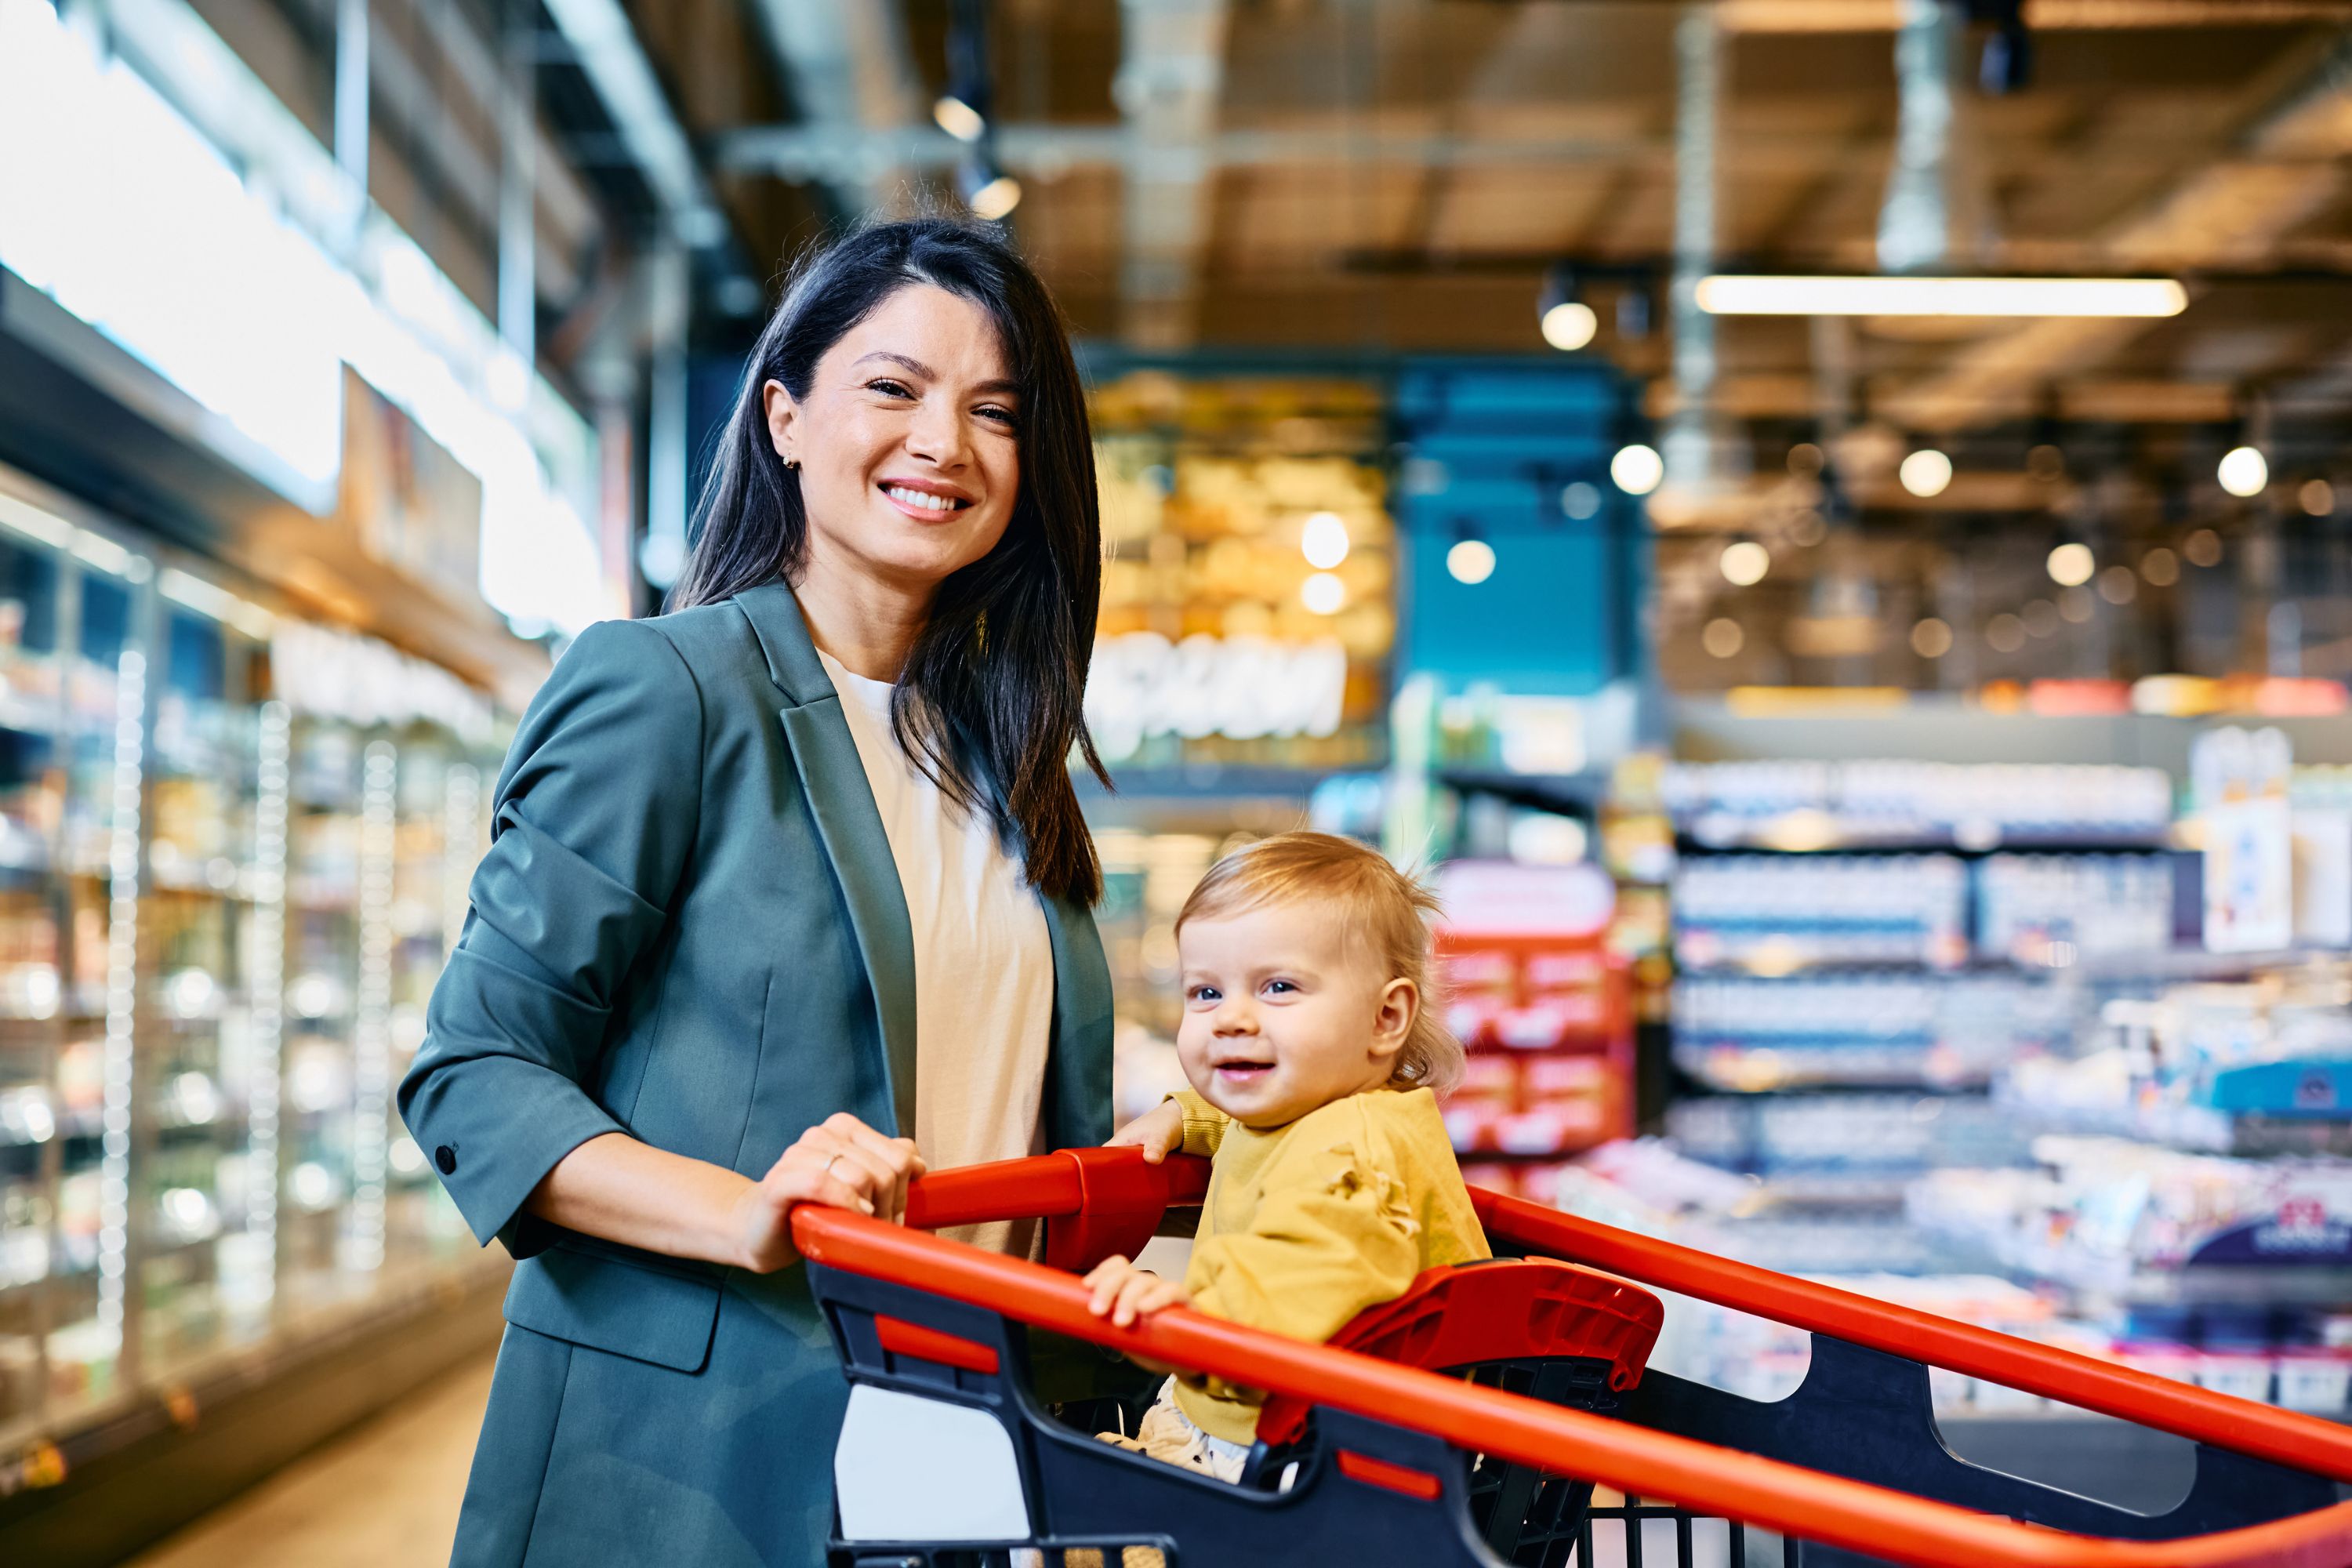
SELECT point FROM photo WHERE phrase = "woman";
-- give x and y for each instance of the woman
(779, 882)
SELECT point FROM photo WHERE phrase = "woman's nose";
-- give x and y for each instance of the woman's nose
(938, 435)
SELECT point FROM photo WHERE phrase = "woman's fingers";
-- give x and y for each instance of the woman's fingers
(897, 1156)
(818, 1170)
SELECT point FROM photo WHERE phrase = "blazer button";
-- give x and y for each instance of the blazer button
(445, 1159)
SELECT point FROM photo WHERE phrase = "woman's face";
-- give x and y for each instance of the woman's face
(907, 441)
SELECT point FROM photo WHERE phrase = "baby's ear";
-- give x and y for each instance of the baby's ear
(1392, 1024)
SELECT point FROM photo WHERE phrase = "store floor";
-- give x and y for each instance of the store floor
(382, 1496)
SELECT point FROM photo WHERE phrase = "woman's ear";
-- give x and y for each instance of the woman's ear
(784, 421)
(1392, 1024)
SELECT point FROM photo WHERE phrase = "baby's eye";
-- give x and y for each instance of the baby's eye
(1279, 987)
(1202, 993)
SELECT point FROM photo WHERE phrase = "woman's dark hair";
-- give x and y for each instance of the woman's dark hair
(990, 700)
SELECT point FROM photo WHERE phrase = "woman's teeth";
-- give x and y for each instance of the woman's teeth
(922, 499)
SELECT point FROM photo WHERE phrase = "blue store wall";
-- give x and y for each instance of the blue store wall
(1491, 445)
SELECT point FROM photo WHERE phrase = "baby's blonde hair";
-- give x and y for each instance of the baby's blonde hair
(1388, 913)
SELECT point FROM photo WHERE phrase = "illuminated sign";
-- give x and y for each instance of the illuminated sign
(1245, 687)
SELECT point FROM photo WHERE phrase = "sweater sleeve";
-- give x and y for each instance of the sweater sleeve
(1333, 1235)
(1204, 1124)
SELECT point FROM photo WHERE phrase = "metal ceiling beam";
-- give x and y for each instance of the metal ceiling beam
(1170, 76)
(810, 153)
(2229, 211)
(608, 51)
(2044, 15)
(849, 73)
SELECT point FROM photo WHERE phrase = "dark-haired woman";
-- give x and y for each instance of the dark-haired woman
(786, 884)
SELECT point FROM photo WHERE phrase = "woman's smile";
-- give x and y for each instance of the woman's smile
(925, 502)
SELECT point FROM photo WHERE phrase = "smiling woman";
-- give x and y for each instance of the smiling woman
(788, 884)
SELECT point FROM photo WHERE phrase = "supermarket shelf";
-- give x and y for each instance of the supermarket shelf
(1805, 835)
(1569, 795)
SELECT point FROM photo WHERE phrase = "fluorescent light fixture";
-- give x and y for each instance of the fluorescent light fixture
(1739, 294)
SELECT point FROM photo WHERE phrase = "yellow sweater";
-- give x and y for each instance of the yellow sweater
(1308, 1224)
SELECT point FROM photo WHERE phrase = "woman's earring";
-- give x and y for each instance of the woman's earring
(793, 463)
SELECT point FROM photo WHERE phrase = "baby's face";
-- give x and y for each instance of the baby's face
(1283, 1014)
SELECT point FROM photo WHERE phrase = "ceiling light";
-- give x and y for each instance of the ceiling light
(1471, 560)
(2161, 567)
(1744, 562)
(2318, 496)
(1323, 594)
(1569, 325)
(1730, 294)
(2244, 471)
(1324, 541)
(1637, 469)
(1722, 637)
(2070, 565)
(1931, 638)
(1580, 501)
(2117, 586)
(995, 198)
(958, 118)
(2203, 548)
(1926, 472)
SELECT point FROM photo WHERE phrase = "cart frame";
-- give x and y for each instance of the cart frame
(1100, 1201)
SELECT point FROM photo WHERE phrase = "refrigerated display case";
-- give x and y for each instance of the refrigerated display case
(233, 849)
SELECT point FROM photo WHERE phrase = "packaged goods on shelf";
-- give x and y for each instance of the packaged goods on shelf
(2256, 1068)
(1747, 1034)
(2052, 910)
(1971, 804)
(1547, 1018)
(1781, 913)
(1863, 1133)
(2133, 1222)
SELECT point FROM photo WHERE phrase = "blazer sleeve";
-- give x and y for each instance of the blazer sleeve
(596, 818)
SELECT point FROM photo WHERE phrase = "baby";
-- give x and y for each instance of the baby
(1315, 1060)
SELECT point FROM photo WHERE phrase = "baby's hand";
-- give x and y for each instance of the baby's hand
(1158, 1132)
(1123, 1292)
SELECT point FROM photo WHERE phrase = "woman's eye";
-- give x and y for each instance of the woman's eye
(888, 388)
(1004, 417)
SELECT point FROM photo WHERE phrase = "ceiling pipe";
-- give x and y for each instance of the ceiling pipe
(1914, 225)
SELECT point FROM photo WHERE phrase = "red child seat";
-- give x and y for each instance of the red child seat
(1477, 1314)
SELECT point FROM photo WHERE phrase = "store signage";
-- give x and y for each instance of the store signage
(1244, 688)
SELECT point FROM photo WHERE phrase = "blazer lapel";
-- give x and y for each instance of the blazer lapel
(832, 778)
(1077, 1070)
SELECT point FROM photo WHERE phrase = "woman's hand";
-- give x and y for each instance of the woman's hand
(840, 1164)
(1122, 1292)
(1158, 1132)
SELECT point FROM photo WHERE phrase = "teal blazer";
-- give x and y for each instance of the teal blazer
(690, 929)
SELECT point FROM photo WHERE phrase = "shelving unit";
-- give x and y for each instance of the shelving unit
(221, 905)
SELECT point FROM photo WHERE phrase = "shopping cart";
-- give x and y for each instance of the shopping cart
(1471, 1422)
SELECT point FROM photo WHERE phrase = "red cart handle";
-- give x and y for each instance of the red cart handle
(1871, 1520)
(1111, 1201)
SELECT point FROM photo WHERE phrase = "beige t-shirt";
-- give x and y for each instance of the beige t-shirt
(983, 962)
